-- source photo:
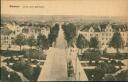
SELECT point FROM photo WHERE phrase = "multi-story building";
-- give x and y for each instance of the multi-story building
(7, 37)
(104, 33)
(31, 30)
(9, 32)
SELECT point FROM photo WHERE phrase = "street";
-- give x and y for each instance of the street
(55, 67)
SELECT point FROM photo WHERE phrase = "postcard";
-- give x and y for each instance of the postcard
(64, 40)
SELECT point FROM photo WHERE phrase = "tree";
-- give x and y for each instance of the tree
(109, 78)
(53, 34)
(4, 74)
(20, 40)
(116, 41)
(31, 41)
(81, 42)
(70, 33)
(94, 43)
(102, 69)
(91, 55)
(36, 72)
(122, 76)
(42, 41)
(98, 73)
(14, 77)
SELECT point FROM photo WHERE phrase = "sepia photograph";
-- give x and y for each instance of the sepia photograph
(60, 40)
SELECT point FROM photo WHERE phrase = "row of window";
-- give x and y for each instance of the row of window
(107, 34)
(106, 38)
(103, 34)
(107, 30)
(6, 38)
(6, 42)
(33, 31)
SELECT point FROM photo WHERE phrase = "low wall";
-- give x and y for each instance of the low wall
(80, 75)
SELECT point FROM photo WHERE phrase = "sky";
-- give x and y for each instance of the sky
(67, 7)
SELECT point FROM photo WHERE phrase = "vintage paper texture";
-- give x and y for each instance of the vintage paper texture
(62, 63)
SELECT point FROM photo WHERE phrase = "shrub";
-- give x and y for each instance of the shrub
(14, 77)
(122, 76)
(36, 72)
(109, 78)
(4, 73)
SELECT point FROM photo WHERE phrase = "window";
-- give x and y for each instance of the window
(91, 30)
(91, 34)
(110, 34)
(102, 43)
(25, 30)
(12, 38)
(110, 30)
(102, 34)
(4, 38)
(123, 34)
(6, 42)
(106, 34)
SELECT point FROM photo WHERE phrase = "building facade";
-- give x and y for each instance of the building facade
(104, 33)
(10, 31)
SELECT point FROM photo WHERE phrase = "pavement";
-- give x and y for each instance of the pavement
(55, 66)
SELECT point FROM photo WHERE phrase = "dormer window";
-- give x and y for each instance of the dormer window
(91, 29)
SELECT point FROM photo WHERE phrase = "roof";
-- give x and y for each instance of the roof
(102, 27)
(5, 31)
(86, 28)
(96, 28)
(119, 27)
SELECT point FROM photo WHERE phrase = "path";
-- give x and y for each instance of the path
(55, 67)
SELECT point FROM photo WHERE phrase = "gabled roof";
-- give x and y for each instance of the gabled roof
(5, 31)
(102, 27)
(86, 28)
(96, 28)
(119, 27)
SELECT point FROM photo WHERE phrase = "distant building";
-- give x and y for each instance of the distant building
(104, 33)
(9, 32)
(7, 37)
(31, 30)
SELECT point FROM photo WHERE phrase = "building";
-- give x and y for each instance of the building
(9, 32)
(35, 31)
(7, 37)
(104, 33)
